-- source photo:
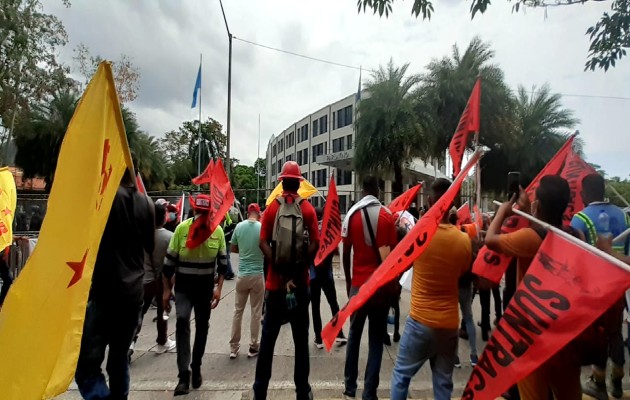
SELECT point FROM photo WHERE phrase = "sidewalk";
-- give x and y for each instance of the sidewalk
(154, 376)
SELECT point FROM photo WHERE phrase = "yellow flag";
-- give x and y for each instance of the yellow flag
(42, 319)
(8, 200)
(305, 191)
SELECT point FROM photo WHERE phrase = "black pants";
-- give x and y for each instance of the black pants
(323, 281)
(484, 299)
(275, 314)
(5, 276)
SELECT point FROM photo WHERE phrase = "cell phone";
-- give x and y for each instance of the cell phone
(513, 184)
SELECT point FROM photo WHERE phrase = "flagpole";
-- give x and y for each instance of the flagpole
(200, 122)
(258, 158)
(571, 239)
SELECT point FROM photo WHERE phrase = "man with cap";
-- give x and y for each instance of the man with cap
(193, 257)
(285, 224)
(249, 282)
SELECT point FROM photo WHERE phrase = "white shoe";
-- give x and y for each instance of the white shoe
(233, 355)
(168, 346)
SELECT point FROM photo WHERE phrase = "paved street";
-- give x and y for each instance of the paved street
(154, 376)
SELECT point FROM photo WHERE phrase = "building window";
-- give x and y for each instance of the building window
(343, 203)
(305, 156)
(337, 145)
(299, 157)
(319, 178)
(289, 158)
(323, 124)
(279, 166)
(273, 169)
(344, 177)
(305, 132)
(344, 117)
(334, 125)
(305, 175)
(291, 139)
(281, 145)
(315, 128)
(349, 142)
(318, 150)
(314, 178)
(274, 150)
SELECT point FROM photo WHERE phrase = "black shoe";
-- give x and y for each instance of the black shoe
(183, 387)
(396, 337)
(387, 340)
(229, 277)
(196, 378)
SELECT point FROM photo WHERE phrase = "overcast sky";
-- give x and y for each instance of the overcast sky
(165, 38)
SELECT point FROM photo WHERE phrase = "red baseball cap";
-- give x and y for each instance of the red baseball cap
(253, 208)
(202, 202)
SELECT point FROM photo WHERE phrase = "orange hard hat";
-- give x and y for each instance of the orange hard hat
(291, 170)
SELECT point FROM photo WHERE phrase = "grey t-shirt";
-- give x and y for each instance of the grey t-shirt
(153, 265)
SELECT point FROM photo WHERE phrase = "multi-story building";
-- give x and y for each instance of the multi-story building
(324, 141)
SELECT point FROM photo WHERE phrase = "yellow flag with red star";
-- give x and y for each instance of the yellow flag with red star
(42, 319)
(8, 199)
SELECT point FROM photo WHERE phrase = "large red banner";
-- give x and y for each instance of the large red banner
(331, 225)
(402, 202)
(222, 198)
(564, 291)
(567, 164)
(469, 122)
(410, 248)
(206, 175)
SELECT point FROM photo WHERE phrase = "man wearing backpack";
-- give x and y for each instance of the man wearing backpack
(602, 218)
(287, 251)
(369, 229)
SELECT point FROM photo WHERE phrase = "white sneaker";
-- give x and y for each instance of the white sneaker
(168, 346)
(233, 355)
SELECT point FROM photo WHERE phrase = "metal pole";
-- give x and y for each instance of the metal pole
(572, 239)
(229, 106)
(200, 122)
(258, 172)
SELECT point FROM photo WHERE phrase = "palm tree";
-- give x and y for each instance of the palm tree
(39, 133)
(540, 126)
(445, 89)
(388, 134)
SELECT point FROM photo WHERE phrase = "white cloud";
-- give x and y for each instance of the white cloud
(165, 39)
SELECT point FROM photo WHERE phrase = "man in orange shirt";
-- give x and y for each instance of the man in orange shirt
(369, 229)
(431, 330)
(561, 374)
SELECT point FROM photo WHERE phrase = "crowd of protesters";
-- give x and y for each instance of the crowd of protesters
(168, 261)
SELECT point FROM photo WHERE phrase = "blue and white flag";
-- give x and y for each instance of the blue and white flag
(197, 88)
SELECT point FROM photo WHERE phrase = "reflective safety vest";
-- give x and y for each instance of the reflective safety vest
(592, 231)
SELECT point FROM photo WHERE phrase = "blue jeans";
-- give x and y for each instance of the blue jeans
(420, 343)
(376, 310)
(106, 325)
(276, 314)
(465, 304)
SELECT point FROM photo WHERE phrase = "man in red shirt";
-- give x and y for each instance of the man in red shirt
(369, 229)
(287, 290)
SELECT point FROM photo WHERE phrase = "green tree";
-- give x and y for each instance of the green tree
(541, 125)
(388, 135)
(39, 133)
(29, 69)
(610, 36)
(444, 92)
(126, 74)
(244, 183)
(212, 143)
(622, 187)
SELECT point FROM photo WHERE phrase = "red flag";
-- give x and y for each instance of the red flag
(402, 202)
(331, 225)
(140, 184)
(565, 290)
(492, 265)
(179, 207)
(469, 122)
(206, 175)
(463, 214)
(567, 164)
(478, 217)
(222, 198)
(410, 248)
